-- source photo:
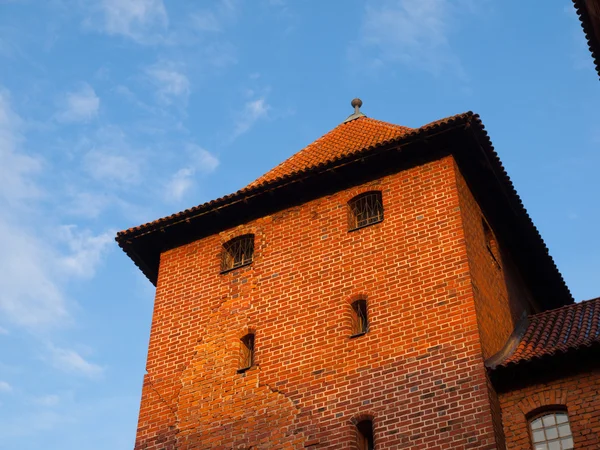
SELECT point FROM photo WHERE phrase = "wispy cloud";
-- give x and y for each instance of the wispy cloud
(411, 32)
(109, 157)
(81, 105)
(47, 400)
(254, 110)
(16, 168)
(86, 250)
(4, 331)
(170, 82)
(143, 21)
(5, 387)
(105, 166)
(200, 162)
(69, 361)
(33, 269)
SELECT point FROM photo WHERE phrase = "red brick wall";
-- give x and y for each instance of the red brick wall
(579, 393)
(501, 297)
(418, 372)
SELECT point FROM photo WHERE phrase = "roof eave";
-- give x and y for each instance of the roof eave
(590, 21)
(471, 148)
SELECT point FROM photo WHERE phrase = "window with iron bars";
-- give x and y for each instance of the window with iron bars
(246, 353)
(360, 320)
(365, 209)
(491, 243)
(237, 252)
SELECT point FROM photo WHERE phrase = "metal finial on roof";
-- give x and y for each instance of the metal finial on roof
(356, 104)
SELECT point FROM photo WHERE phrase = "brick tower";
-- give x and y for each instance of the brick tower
(348, 299)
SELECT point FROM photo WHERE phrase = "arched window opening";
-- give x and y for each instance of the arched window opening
(246, 352)
(490, 243)
(364, 430)
(237, 252)
(365, 209)
(360, 318)
(551, 431)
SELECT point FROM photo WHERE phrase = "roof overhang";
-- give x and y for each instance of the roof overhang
(462, 136)
(560, 364)
(589, 14)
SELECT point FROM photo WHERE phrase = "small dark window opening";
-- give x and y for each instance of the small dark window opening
(237, 252)
(365, 435)
(491, 244)
(365, 209)
(360, 319)
(246, 352)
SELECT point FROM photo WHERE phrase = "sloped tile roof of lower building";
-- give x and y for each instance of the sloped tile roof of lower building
(558, 331)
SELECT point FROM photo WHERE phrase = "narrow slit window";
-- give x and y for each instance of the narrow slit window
(360, 319)
(551, 431)
(491, 244)
(365, 435)
(237, 252)
(365, 209)
(246, 352)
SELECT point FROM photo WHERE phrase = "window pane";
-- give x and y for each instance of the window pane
(564, 430)
(538, 436)
(554, 445)
(567, 444)
(541, 447)
(537, 423)
(549, 420)
(551, 433)
(561, 418)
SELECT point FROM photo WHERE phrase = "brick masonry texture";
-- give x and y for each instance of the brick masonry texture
(419, 371)
(579, 393)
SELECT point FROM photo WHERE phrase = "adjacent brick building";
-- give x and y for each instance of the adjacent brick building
(382, 287)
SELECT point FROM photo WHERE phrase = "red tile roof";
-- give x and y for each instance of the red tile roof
(348, 138)
(558, 330)
(345, 139)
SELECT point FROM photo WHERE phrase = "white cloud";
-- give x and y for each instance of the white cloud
(69, 361)
(30, 295)
(140, 20)
(104, 165)
(205, 21)
(79, 106)
(5, 387)
(200, 162)
(254, 110)
(86, 250)
(170, 82)
(16, 168)
(33, 267)
(411, 32)
(47, 400)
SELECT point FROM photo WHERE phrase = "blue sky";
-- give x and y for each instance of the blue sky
(115, 112)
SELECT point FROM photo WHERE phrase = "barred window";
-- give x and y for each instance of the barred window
(364, 430)
(551, 431)
(365, 209)
(246, 352)
(491, 244)
(360, 320)
(237, 252)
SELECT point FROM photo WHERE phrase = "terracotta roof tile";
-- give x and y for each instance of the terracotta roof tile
(558, 330)
(345, 139)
